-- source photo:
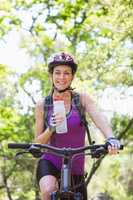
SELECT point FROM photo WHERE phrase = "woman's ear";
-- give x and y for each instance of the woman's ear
(51, 77)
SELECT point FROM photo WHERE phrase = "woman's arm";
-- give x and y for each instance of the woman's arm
(97, 117)
(101, 122)
(41, 136)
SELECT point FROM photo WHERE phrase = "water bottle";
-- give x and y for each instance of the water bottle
(59, 107)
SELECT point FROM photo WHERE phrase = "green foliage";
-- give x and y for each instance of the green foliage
(119, 123)
(8, 19)
(5, 5)
(114, 179)
(3, 71)
(38, 74)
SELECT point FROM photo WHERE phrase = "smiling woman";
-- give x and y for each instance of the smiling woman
(62, 68)
(62, 77)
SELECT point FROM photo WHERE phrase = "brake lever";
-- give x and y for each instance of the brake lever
(97, 153)
(20, 153)
(35, 151)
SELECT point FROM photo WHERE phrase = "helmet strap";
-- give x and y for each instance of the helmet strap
(61, 91)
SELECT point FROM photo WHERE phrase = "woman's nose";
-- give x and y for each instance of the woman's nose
(62, 76)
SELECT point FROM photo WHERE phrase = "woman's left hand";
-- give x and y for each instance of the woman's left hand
(113, 145)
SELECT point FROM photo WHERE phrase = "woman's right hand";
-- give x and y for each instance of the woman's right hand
(56, 119)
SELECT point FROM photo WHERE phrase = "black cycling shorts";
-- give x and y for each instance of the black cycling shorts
(45, 167)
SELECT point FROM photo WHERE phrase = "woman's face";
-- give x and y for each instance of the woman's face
(62, 76)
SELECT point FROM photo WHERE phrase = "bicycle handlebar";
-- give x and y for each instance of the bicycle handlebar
(35, 148)
(19, 145)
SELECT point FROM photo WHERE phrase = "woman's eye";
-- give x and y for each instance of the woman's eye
(57, 73)
(67, 73)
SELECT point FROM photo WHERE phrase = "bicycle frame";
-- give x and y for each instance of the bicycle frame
(65, 175)
(65, 192)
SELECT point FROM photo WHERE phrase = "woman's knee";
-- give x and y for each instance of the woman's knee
(48, 184)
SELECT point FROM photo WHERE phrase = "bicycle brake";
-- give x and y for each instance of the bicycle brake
(35, 151)
(97, 153)
(20, 153)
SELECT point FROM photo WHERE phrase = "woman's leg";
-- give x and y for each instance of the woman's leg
(47, 177)
(48, 184)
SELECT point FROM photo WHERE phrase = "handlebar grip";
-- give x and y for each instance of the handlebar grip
(19, 146)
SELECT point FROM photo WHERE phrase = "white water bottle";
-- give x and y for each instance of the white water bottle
(59, 107)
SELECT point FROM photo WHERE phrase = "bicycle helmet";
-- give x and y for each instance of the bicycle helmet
(61, 59)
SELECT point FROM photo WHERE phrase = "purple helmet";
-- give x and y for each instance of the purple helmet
(62, 59)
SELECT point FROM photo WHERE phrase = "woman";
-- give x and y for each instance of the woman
(62, 69)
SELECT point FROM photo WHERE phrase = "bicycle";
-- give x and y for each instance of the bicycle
(65, 191)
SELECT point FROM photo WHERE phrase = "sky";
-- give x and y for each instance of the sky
(112, 100)
(12, 55)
